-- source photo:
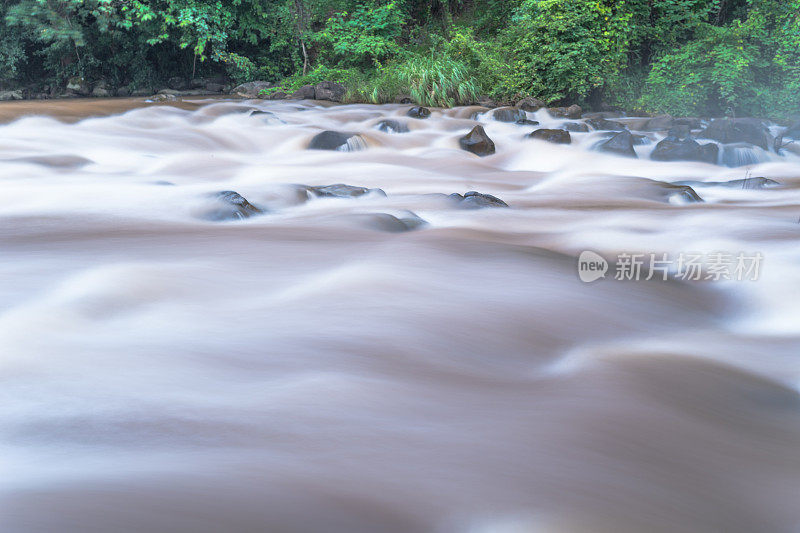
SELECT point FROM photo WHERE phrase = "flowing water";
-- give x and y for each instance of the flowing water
(314, 369)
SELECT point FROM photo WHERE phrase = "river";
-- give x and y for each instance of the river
(318, 369)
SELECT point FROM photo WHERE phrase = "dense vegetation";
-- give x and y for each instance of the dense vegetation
(679, 56)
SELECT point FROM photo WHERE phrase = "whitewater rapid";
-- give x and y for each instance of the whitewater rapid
(313, 369)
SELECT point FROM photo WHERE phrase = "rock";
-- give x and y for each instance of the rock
(306, 92)
(172, 92)
(251, 89)
(605, 124)
(476, 200)
(340, 190)
(101, 92)
(329, 90)
(477, 142)
(123, 92)
(552, 136)
(10, 95)
(673, 149)
(142, 92)
(619, 144)
(740, 130)
(391, 126)
(403, 99)
(530, 104)
(336, 140)
(162, 97)
(577, 127)
(277, 95)
(508, 114)
(231, 206)
(602, 114)
(214, 87)
(661, 123)
(793, 131)
(412, 221)
(419, 112)
(573, 112)
(178, 83)
(747, 183)
(742, 154)
(527, 122)
(683, 193)
(78, 85)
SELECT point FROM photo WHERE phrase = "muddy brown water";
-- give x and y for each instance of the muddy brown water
(308, 371)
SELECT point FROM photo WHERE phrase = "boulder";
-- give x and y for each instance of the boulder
(214, 87)
(231, 206)
(142, 92)
(577, 127)
(330, 90)
(76, 85)
(306, 92)
(673, 149)
(661, 123)
(605, 124)
(337, 140)
(340, 190)
(573, 112)
(619, 144)
(508, 114)
(391, 126)
(419, 112)
(251, 89)
(530, 104)
(476, 200)
(683, 193)
(403, 99)
(101, 90)
(276, 95)
(527, 122)
(552, 136)
(739, 130)
(163, 97)
(10, 95)
(793, 131)
(123, 92)
(477, 142)
(178, 83)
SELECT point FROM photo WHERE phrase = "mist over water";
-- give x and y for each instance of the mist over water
(315, 369)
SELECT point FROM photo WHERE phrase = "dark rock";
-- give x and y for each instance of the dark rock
(79, 86)
(123, 92)
(403, 99)
(742, 154)
(341, 190)
(276, 95)
(740, 130)
(387, 222)
(662, 123)
(573, 112)
(419, 112)
(682, 192)
(603, 114)
(477, 142)
(639, 140)
(605, 124)
(391, 126)
(747, 183)
(142, 92)
(412, 221)
(577, 127)
(530, 104)
(306, 92)
(233, 206)
(251, 89)
(101, 90)
(329, 90)
(619, 144)
(508, 114)
(337, 140)
(673, 149)
(476, 200)
(214, 87)
(552, 136)
(679, 131)
(177, 83)
(793, 131)
(527, 122)
(162, 97)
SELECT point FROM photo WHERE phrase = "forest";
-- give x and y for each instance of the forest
(684, 57)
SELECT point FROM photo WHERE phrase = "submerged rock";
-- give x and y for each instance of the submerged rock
(577, 127)
(683, 193)
(673, 149)
(389, 223)
(232, 206)
(527, 122)
(391, 126)
(476, 200)
(552, 136)
(419, 112)
(619, 144)
(740, 130)
(508, 114)
(477, 142)
(746, 183)
(337, 140)
(340, 190)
